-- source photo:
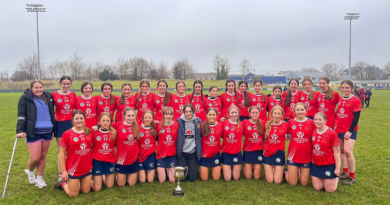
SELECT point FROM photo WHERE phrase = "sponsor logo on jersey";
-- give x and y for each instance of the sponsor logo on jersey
(162, 130)
(105, 145)
(313, 138)
(302, 98)
(300, 134)
(147, 141)
(211, 138)
(317, 147)
(210, 104)
(294, 127)
(176, 101)
(227, 128)
(249, 128)
(228, 99)
(124, 130)
(158, 101)
(272, 103)
(83, 146)
(100, 102)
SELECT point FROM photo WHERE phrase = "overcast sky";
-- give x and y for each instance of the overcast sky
(272, 35)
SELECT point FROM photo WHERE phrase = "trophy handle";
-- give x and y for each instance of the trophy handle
(186, 172)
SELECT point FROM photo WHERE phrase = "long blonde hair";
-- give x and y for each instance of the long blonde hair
(166, 111)
(259, 122)
(311, 97)
(268, 126)
(299, 104)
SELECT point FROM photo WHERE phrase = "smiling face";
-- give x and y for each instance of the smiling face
(323, 85)
(233, 115)
(254, 114)
(105, 122)
(107, 91)
(319, 121)
(162, 87)
(188, 113)
(145, 88)
(37, 89)
(230, 87)
(242, 87)
(78, 121)
(293, 86)
(87, 90)
(168, 117)
(277, 115)
(257, 87)
(211, 117)
(346, 90)
(300, 111)
(307, 86)
(126, 91)
(214, 92)
(198, 88)
(148, 119)
(129, 117)
(180, 88)
(65, 85)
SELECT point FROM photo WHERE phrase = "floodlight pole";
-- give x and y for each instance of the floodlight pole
(39, 61)
(350, 17)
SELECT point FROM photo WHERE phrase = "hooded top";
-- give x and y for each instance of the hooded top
(189, 137)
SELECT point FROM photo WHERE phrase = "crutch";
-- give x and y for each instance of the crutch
(10, 164)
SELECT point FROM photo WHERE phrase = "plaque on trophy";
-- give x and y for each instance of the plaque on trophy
(179, 175)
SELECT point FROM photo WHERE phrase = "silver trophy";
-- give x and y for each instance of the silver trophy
(179, 174)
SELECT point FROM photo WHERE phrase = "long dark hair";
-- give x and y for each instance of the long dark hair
(144, 81)
(201, 91)
(348, 82)
(122, 99)
(206, 124)
(259, 123)
(65, 77)
(234, 82)
(43, 97)
(329, 92)
(246, 96)
(112, 99)
(262, 94)
(289, 93)
(86, 130)
(281, 90)
(178, 82)
(167, 95)
(134, 124)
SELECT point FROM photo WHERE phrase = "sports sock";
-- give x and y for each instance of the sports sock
(59, 174)
(352, 175)
(63, 184)
(345, 170)
(39, 177)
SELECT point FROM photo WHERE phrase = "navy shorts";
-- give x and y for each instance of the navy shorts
(254, 157)
(61, 127)
(353, 136)
(211, 162)
(167, 162)
(310, 117)
(127, 169)
(278, 159)
(232, 159)
(304, 165)
(286, 120)
(102, 168)
(79, 177)
(242, 118)
(149, 163)
(323, 172)
(38, 137)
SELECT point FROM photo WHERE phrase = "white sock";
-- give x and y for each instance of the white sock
(31, 171)
(39, 177)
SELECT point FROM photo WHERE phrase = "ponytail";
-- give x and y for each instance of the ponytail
(289, 93)
(201, 91)
(206, 124)
(308, 79)
(122, 99)
(144, 81)
(167, 95)
(246, 96)
(134, 124)
(112, 133)
(259, 123)
(166, 111)
(152, 127)
(268, 125)
(329, 93)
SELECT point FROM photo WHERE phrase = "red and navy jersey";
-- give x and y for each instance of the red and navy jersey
(145, 102)
(103, 105)
(129, 102)
(214, 103)
(147, 143)
(252, 140)
(346, 108)
(103, 146)
(323, 144)
(198, 103)
(79, 152)
(232, 135)
(126, 144)
(257, 101)
(328, 107)
(88, 106)
(167, 137)
(299, 150)
(177, 103)
(241, 104)
(311, 105)
(276, 139)
(289, 109)
(64, 105)
(159, 105)
(227, 100)
(211, 144)
(272, 102)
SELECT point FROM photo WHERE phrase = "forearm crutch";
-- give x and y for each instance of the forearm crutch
(9, 168)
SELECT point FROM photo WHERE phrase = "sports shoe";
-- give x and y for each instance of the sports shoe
(41, 183)
(349, 181)
(59, 178)
(31, 176)
(58, 184)
(344, 176)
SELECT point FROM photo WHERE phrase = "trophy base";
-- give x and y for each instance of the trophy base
(178, 193)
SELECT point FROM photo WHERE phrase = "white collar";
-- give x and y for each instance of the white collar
(77, 131)
(145, 127)
(234, 123)
(279, 123)
(323, 131)
(231, 94)
(86, 98)
(160, 95)
(300, 120)
(103, 131)
(59, 92)
(104, 97)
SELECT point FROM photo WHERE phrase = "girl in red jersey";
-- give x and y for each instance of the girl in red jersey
(212, 131)
(275, 137)
(105, 102)
(126, 161)
(253, 143)
(124, 100)
(87, 104)
(166, 149)
(290, 98)
(231, 145)
(228, 98)
(325, 156)
(348, 114)
(309, 98)
(243, 100)
(299, 150)
(147, 148)
(76, 145)
(327, 101)
(275, 99)
(103, 153)
(197, 99)
(64, 100)
(161, 100)
(213, 101)
(258, 99)
(179, 100)
(144, 99)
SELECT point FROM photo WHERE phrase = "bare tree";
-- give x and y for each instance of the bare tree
(364, 71)
(386, 68)
(217, 65)
(3, 75)
(245, 67)
(98, 67)
(152, 71)
(57, 69)
(139, 68)
(28, 67)
(76, 65)
(122, 68)
(183, 69)
(309, 70)
(88, 71)
(333, 70)
(162, 70)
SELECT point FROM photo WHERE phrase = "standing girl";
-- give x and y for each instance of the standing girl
(124, 100)
(368, 97)
(166, 149)
(290, 98)
(275, 99)
(327, 101)
(243, 100)
(179, 100)
(161, 100)
(197, 99)
(105, 102)
(348, 114)
(147, 148)
(309, 98)
(228, 98)
(144, 100)
(212, 131)
(213, 101)
(258, 99)
(87, 104)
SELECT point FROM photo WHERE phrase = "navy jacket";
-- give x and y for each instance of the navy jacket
(181, 134)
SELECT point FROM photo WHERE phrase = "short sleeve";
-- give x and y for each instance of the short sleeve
(335, 140)
(357, 106)
(65, 140)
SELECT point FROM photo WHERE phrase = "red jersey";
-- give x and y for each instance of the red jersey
(299, 150)
(103, 105)
(129, 102)
(126, 144)
(328, 107)
(323, 144)
(311, 105)
(241, 104)
(79, 152)
(253, 141)
(198, 103)
(145, 102)
(64, 105)
(88, 106)
(257, 100)
(345, 110)
(276, 139)
(214, 103)
(227, 100)
(272, 102)
(289, 109)
(177, 103)
(159, 105)
(167, 137)
(211, 145)
(103, 146)
(147, 143)
(232, 135)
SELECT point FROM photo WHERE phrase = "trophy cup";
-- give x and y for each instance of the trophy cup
(179, 174)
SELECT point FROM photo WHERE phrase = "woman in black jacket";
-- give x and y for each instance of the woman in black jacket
(35, 122)
(367, 97)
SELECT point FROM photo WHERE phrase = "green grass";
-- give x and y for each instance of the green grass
(372, 155)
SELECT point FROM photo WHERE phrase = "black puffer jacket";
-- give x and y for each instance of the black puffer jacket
(27, 113)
